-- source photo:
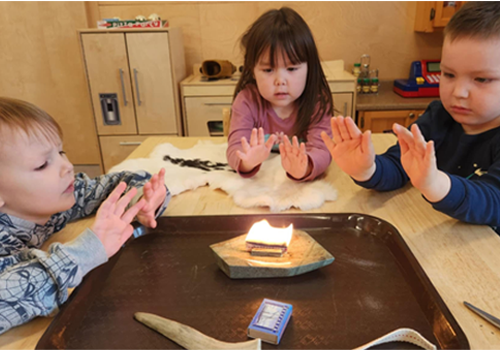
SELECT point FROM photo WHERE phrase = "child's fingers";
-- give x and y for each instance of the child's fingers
(430, 154)
(295, 142)
(337, 138)
(366, 143)
(352, 128)
(420, 143)
(260, 138)
(124, 201)
(160, 180)
(154, 182)
(303, 148)
(403, 145)
(287, 144)
(132, 212)
(109, 204)
(270, 142)
(328, 141)
(245, 145)
(253, 138)
(343, 129)
(404, 134)
(282, 150)
(148, 191)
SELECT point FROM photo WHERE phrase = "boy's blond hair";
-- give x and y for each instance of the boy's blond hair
(475, 19)
(17, 115)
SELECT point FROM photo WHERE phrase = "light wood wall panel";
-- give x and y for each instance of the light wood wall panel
(41, 63)
(343, 30)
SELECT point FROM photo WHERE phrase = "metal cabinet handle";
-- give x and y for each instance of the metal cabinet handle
(137, 87)
(345, 109)
(411, 115)
(217, 103)
(125, 102)
(137, 143)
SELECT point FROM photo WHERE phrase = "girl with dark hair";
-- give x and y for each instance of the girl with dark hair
(282, 93)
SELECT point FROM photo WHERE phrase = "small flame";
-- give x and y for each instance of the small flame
(262, 233)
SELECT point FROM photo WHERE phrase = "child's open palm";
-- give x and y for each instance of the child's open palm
(154, 193)
(255, 152)
(419, 162)
(352, 150)
(112, 223)
(294, 158)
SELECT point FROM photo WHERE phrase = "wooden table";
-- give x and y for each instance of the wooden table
(461, 260)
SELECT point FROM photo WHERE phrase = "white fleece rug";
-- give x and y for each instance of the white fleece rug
(269, 188)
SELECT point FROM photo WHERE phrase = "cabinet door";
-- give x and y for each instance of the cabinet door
(343, 104)
(151, 71)
(434, 14)
(108, 73)
(381, 121)
(204, 114)
(444, 11)
(115, 149)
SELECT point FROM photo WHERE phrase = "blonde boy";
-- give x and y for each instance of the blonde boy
(452, 153)
(39, 195)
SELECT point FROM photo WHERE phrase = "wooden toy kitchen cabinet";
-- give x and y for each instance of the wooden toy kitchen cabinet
(133, 77)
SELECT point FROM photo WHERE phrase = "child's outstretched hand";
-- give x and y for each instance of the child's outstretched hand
(419, 161)
(294, 158)
(112, 222)
(352, 150)
(154, 195)
(256, 152)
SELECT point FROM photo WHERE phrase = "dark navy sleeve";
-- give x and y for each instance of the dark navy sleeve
(390, 174)
(476, 201)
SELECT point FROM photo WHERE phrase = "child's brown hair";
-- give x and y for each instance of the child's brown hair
(475, 19)
(285, 31)
(17, 115)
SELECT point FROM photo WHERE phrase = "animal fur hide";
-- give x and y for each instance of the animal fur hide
(206, 164)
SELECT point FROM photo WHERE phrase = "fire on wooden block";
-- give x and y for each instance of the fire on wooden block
(265, 240)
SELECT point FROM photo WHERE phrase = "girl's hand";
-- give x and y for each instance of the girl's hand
(294, 158)
(256, 152)
(154, 195)
(112, 225)
(352, 150)
(419, 161)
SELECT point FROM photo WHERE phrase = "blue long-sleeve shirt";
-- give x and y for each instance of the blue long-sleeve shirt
(471, 161)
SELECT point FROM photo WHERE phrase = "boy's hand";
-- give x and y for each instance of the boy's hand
(419, 161)
(112, 225)
(256, 152)
(352, 150)
(154, 195)
(294, 158)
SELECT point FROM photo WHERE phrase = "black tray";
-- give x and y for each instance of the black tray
(374, 286)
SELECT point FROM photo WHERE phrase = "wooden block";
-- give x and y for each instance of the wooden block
(304, 255)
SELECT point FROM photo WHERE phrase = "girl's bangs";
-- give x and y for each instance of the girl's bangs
(284, 46)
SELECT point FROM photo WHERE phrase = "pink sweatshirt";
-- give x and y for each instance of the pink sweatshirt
(250, 110)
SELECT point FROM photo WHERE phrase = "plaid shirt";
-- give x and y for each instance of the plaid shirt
(33, 282)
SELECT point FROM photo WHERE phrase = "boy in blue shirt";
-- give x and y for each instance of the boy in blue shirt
(39, 195)
(452, 153)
